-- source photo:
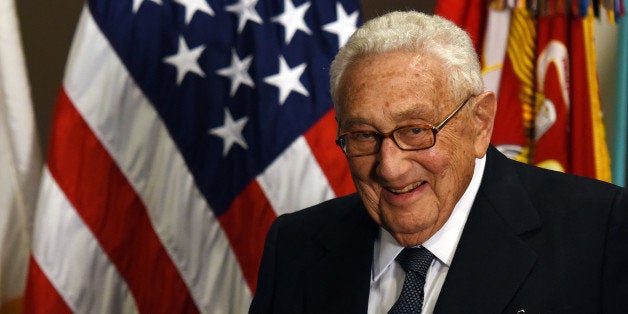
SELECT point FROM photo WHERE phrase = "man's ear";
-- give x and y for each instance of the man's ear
(484, 109)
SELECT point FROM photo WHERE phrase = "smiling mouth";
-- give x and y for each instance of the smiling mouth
(407, 188)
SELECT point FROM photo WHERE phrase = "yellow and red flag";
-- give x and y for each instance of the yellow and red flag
(539, 58)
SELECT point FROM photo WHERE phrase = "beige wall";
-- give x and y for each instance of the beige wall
(48, 26)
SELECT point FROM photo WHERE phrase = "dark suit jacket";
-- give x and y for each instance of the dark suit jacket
(535, 240)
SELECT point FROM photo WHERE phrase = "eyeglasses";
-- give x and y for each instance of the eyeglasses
(409, 137)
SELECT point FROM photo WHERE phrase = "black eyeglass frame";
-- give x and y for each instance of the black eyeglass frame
(342, 142)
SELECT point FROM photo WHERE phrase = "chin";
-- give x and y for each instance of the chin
(407, 229)
(411, 223)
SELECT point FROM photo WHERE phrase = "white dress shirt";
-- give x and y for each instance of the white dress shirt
(387, 276)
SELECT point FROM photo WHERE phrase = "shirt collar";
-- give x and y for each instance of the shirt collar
(444, 242)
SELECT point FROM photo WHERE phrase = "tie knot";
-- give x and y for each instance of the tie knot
(415, 259)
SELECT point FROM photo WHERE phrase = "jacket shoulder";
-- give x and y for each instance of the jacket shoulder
(323, 218)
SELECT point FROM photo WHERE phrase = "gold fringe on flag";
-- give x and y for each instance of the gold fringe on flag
(521, 51)
(600, 149)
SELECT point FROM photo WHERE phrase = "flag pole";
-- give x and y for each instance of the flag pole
(621, 110)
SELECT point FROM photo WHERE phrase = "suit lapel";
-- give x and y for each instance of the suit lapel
(491, 260)
(338, 280)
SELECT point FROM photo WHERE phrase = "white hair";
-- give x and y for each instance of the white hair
(427, 35)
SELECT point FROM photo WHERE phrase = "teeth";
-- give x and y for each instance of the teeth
(408, 188)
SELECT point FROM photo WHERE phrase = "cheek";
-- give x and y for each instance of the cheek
(368, 188)
(361, 168)
(440, 160)
(452, 165)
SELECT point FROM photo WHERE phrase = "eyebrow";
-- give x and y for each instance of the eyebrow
(418, 112)
(353, 121)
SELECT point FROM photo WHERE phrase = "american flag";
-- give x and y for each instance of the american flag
(182, 129)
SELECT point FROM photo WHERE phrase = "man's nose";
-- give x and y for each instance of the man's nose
(392, 160)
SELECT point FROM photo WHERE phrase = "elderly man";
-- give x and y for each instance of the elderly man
(442, 222)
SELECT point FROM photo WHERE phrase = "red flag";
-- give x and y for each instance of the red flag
(548, 100)
(514, 118)
(569, 132)
(553, 85)
(470, 15)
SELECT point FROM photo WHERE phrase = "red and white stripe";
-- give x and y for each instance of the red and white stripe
(120, 225)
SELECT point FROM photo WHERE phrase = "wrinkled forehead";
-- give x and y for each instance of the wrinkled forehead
(399, 84)
(404, 60)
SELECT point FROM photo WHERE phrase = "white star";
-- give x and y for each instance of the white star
(344, 25)
(138, 3)
(238, 72)
(186, 60)
(191, 6)
(292, 19)
(245, 9)
(230, 132)
(287, 80)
